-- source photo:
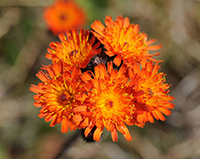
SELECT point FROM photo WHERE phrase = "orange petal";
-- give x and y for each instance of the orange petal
(42, 76)
(136, 28)
(156, 47)
(97, 134)
(50, 71)
(35, 88)
(87, 130)
(38, 104)
(139, 125)
(169, 105)
(62, 37)
(108, 20)
(54, 121)
(72, 126)
(42, 115)
(77, 119)
(126, 22)
(126, 133)
(58, 68)
(155, 70)
(140, 118)
(122, 70)
(64, 126)
(49, 56)
(96, 71)
(151, 41)
(60, 117)
(79, 109)
(98, 27)
(109, 67)
(85, 122)
(160, 115)
(102, 70)
(48, 118)
(109, 53)
(117, 60)
(86, 114)
(151, 120)
(86, 76)
(75, 72)
(165, 111)
(154, 60)
(114, 135)
(155, 115)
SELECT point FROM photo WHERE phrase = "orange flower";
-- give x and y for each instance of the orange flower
(110, 101)
(63, 16)
(155, 101)
(124, 40)
(58, 94)
(75, 50)
(133, 94)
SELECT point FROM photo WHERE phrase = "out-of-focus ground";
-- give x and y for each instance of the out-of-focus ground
(24, 40)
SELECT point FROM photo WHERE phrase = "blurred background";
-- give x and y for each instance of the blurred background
(24, 39)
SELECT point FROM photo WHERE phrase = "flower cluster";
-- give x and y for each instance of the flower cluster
(103, 78)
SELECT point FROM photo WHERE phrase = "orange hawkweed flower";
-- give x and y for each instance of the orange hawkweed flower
(58, 94)
(75, 49)
(63, 16)
(110, 101)
(155, 101)
(102, 97)
(124, 40)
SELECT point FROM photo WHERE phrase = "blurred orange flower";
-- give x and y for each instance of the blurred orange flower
(155, 101)
(58, 94)
(124, 40)
(75, 50)
(110, 101)
(63, 16)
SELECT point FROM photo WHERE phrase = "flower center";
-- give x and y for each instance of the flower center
(65, 99)
(110, 104)
(150, 92)
(74, 52)
(63, 17)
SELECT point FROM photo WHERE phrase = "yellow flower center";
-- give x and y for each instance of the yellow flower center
(65, 99)
(76, 52)
(108, 104)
